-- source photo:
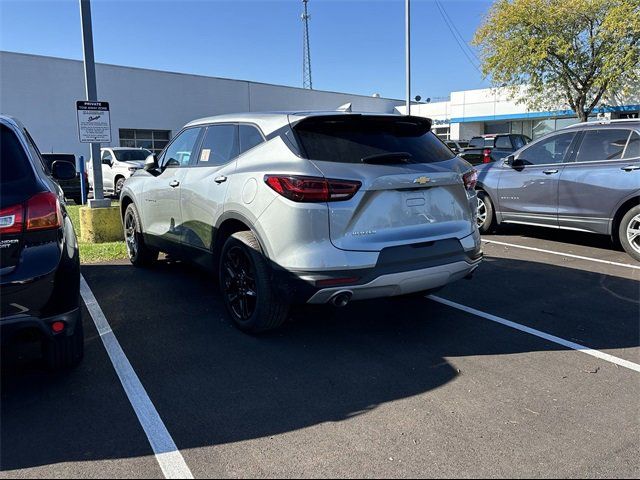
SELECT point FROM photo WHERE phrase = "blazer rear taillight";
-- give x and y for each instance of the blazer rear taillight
(312, 189)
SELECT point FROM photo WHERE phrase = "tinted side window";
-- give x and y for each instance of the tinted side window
(250, 137)
(605, 144)
(503, 142)
(14, 164)
(518, 141)
(178, 154)
(476, 142)
(551, 150)
(219, 146)
(633, 147)
(106, 155)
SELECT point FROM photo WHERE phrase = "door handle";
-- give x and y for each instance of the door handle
(220, 179)
(174, 184)
(630, 168)
(550, 172)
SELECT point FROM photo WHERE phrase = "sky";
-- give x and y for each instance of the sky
(357, 46)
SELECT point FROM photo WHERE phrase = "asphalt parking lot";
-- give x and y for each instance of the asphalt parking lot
(392, 388)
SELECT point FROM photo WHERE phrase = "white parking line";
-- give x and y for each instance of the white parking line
(167, 454)
(562, 254)
(532, 331)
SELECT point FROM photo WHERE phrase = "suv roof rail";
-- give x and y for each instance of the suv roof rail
(604, 121)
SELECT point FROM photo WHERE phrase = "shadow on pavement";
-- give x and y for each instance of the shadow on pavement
(212, 384)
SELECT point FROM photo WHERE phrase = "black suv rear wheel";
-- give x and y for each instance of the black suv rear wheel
(246, 288)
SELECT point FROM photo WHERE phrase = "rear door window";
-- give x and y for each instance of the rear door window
(350, 139)
(503, 142)
(219, 145)
(518, 142)
(250, 137)
(604, 144)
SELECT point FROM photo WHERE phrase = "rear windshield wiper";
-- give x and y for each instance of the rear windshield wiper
(384, 158)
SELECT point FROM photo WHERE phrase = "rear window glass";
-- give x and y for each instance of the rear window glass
(14, 164)
(503, 142)
(477, 142)
(49, 158)
(131, 155)
(349, 139)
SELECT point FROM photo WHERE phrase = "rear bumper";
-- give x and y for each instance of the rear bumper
(398, 271)
(11, 327)
(401, 283)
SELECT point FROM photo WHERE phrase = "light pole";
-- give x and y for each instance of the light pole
(407, 31)
(92, 96)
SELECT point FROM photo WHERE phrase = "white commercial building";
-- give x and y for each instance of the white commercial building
(476, 112)
(147, 106)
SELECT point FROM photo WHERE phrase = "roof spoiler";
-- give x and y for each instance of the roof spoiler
(423, 123)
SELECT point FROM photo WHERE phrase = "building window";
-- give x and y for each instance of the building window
(442, 132)
(154, 140)
(496, 128)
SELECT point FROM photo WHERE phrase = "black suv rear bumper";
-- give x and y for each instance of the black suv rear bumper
(15, 326)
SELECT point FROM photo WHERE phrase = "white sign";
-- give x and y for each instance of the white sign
(94, 122)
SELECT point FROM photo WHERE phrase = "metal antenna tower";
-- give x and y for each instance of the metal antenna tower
(306, 50)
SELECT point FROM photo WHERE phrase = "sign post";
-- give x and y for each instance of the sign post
(92, 97)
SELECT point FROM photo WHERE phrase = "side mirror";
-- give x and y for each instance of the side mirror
(509, 160)
(61, 170)
(519, 163)
(150, 163)
(107, 161)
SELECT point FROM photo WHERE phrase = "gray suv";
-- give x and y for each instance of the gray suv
(307, 208)
(585, 177)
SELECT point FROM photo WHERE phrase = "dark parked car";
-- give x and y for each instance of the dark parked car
(39, 260)
(456, 146)
(585, 177)
(71, 187)
(490, 148)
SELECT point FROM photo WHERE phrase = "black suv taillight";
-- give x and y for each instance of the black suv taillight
(11, 220)
(312, 189)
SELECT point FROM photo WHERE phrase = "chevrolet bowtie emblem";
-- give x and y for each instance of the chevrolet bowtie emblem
(422, 180)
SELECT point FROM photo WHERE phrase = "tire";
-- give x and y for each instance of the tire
(140, 255)
(244, 278)
(486, 217)
(63, 352)
(629, 232)
(118, 186)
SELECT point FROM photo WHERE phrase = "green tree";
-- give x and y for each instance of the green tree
(562, 52)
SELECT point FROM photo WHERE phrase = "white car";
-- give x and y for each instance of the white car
(118, 164)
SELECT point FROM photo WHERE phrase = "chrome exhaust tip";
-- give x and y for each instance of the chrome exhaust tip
(341, 299)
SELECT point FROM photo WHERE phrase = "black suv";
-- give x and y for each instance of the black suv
(39, 258)
(490, 148)
(72, 188)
